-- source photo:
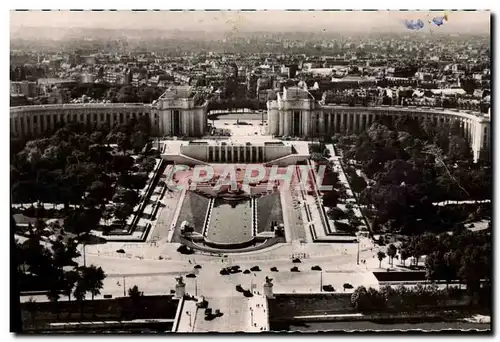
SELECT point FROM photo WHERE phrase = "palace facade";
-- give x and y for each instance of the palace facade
(295, 113)
(178, 112)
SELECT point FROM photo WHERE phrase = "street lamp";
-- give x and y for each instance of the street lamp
(321, 281)
(84, 254)
(196, 287)
(358, 253)
(189, 314)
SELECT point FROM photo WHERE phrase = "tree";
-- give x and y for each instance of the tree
(415, 249)
(70, 278)
(93, 277)
(470, 269)
(107, 215)
(138, 141)
(335, 213)
(123, 141)
(79, 292)
(82, 222)
(377, 301)
(381, 256)
(434, 266)
(427, 243)
(37, 257)
(404, 255)
(358, 184)
(458, 149)
(359, 298)
(122, 163)
(97, 137)
(147, 164)
(31, 307)
(317, 157)
(63, 254)
(123, 211)
(135, 181)
(135, 295)
(53, 295)
(126, 196)
(126, 94)
(330, 199)
(391, 253)
(134, 292)
(389, 296)
(98, 192)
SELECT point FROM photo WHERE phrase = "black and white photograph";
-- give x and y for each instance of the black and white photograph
(250, 171)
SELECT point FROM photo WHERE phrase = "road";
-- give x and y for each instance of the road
(368, 325)
(157, 276)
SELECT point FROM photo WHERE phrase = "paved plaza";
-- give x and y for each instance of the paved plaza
(230, 222)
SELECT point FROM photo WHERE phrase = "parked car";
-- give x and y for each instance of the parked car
(248, 293)
(315, 268)
(197, 266)
(328, 288)
(120, 251)
(296, 261)
(191, 275)
(246, 272)
(255, 269)
(294, 269)
(234, 269)
(274, 269)
(224, 272)
(239, 288)
(348, 286)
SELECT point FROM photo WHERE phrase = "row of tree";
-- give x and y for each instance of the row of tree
(356, 182)
(402, 298)
(236, 103)
(117, 94)
(465, 256)
(47, 266)
(72, 165)
(410, 175)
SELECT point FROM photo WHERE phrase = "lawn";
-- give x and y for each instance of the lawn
(231, 221)
(268, 210)
(194, 209)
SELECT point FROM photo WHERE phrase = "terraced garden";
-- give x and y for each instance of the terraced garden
(268, 210)
(194, 209)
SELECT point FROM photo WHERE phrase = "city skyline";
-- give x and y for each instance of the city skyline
(249, 21)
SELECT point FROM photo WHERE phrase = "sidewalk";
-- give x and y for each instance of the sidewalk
(258, 314)
(188, 317)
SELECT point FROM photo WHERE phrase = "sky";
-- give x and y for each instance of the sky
(329, 21)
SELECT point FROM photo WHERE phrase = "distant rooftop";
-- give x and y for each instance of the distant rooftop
(354, 79)
(295, 93)
(55, 80)
(179, 92)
